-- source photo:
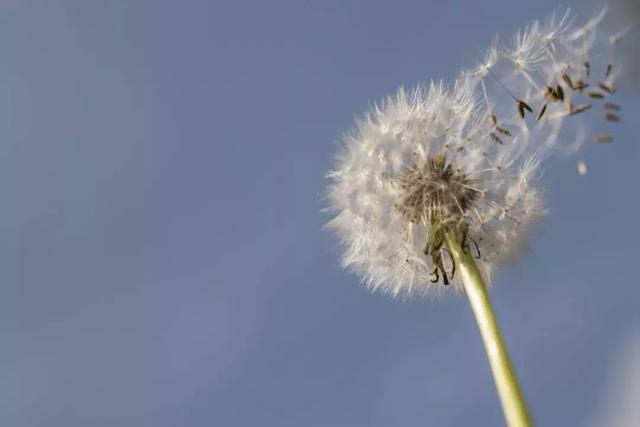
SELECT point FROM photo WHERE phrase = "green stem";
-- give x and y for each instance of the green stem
(513, 405)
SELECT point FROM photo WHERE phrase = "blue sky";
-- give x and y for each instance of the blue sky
(163, 261)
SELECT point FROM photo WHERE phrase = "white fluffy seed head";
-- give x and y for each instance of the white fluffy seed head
(463, 157)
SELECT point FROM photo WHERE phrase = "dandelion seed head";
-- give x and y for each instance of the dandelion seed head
(414, 165)
(465, 157)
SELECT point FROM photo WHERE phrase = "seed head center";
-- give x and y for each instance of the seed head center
(435, 192)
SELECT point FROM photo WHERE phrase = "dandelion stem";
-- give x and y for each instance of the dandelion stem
(513, 405)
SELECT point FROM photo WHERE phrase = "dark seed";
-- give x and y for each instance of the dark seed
(551, 95)
(612, 106)
(606, 87)
(567, 80)
(612, 117)
(580, 108)
(503, 131)
(541, 113)
(596, 95)
(496, 138)
(560, 92)
(580, 86)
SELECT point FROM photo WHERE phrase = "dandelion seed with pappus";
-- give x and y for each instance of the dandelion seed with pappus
(438, 185)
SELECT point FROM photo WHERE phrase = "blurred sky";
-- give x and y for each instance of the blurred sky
(162, 255)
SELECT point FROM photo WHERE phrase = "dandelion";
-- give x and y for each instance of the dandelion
(437, 185)
(423, 163)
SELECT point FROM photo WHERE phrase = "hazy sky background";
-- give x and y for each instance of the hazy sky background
(162, 259)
